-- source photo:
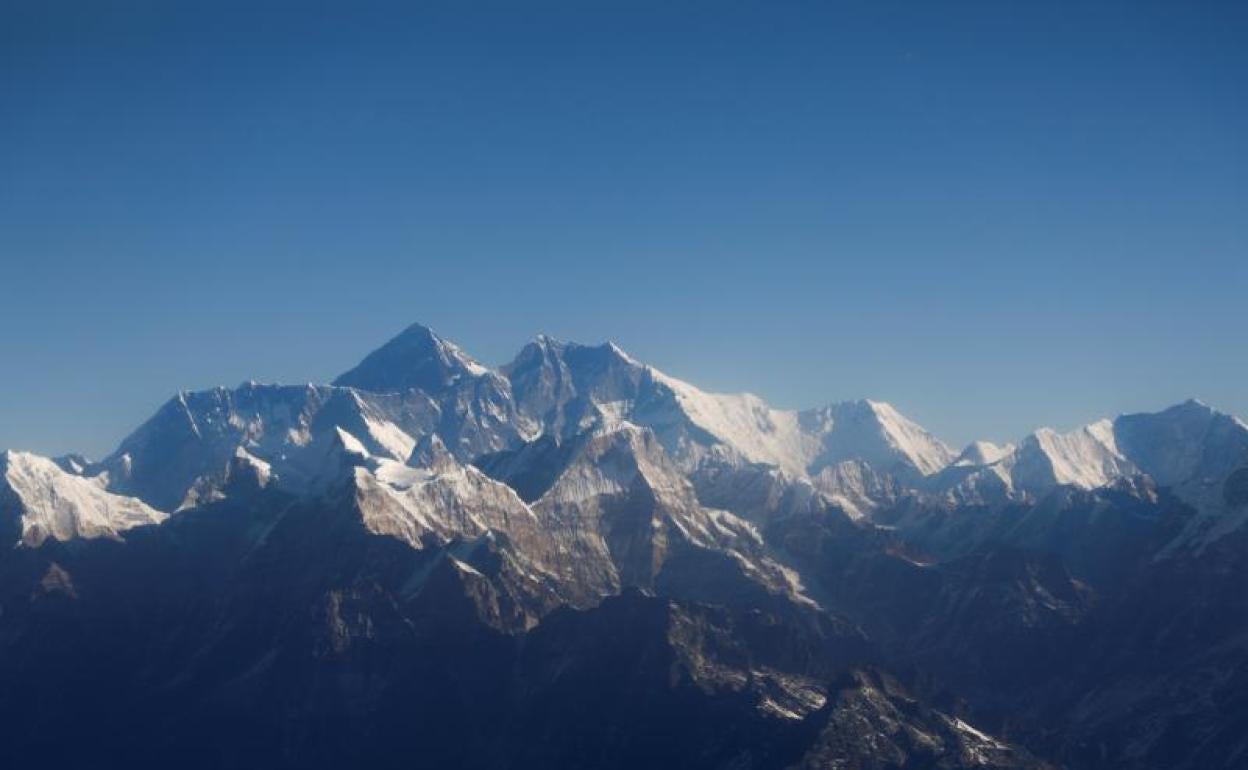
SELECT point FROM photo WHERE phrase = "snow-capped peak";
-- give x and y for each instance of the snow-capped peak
(418, 390)
(415, 359)
(983, 453)
(1086, 457)
(1188, 447)
(53, 503)
(876, 432)
(1172, 445)
(928, 453)
(745, 423)
(561, 384)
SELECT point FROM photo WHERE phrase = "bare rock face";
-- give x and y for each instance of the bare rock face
(1235, 490)
(872, 722)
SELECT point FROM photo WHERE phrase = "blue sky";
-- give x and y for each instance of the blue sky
(995, 215)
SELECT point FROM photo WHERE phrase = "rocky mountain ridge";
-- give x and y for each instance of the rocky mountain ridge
(423, 496)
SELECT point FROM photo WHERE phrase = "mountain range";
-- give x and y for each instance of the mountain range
(576, 560)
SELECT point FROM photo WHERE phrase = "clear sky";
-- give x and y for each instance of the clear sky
(995, 215)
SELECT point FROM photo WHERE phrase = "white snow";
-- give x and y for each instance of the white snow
(464, 567)
(446, 500)
(746, 423)
(390, 437)
(793, 441)
(60, 505)
(983, 453)
(1087, 457)
(862, 455)
(455, 352)
(927, 453)
(264, 470)
(976, 735)
(350, 443)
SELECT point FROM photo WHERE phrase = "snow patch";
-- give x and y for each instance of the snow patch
(62, 506)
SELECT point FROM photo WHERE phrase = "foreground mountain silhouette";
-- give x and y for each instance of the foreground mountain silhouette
(576, 560)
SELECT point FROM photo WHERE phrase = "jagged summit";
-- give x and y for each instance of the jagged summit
(416, 359)
(373, 523)
(420, 400)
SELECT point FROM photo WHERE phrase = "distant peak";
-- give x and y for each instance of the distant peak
(875, 431)
(1194, 405)
(547, 345)
(609, 347)
(417, 358)
(862, 406)
(983, 453)
(539, 352)
(419, 331)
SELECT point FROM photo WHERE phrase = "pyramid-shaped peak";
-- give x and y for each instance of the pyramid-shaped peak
(1192, 406)
(415, 359)
(876, 432)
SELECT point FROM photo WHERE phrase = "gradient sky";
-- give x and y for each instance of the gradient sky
(995, 215)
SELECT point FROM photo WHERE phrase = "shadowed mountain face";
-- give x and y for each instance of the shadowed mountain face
(578, 561)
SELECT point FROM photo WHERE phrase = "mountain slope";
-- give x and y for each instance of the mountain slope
(416, 359)
(578, 560)
(44, 501)
(569, 387)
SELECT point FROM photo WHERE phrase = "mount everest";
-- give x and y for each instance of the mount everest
(836, 584)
